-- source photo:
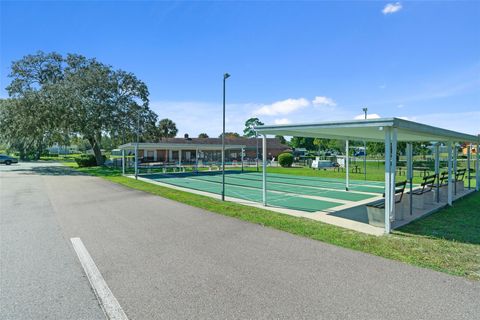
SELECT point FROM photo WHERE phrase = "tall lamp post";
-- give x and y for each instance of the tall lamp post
(365, 110)
(225, 77)
(136, 144)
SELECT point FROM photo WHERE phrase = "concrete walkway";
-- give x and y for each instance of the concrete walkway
(166, 260)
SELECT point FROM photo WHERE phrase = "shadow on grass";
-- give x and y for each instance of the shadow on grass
(458, 223)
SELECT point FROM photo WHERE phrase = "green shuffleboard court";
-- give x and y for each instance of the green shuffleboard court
(302, 193)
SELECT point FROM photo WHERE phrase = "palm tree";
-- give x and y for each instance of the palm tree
(167, 128)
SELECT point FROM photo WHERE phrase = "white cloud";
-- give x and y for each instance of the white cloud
(282, 121)
(400, 106)
(282, 107)
(392, 8)
(369, 116)
(324, 101)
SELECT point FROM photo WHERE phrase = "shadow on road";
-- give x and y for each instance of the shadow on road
(48, 170)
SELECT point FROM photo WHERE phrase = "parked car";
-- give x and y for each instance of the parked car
(7, 159)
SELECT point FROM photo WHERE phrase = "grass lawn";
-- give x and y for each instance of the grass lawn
(448, 241)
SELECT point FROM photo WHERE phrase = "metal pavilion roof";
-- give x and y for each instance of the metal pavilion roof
(369, 130)
(179, 146)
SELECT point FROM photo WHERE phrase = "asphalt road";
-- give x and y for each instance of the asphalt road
(166, 260)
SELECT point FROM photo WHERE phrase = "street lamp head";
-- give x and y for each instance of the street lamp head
(226, 76)
(365, 109)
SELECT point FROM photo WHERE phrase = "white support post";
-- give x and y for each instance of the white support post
(477, 168)
(410, 174)
(136, 160)
(241, 157)
(196, 160)
(455, 156)
(264, 172)
(450, 184)
(388, 193)
(123, 161)
(437, 170)
(347, 173)
(393, 169)
(469, 158)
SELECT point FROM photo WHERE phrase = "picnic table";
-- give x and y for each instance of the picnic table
(356, 169)
(424, 171)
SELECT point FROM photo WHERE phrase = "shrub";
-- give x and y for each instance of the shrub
(87, 160)
(285, 159)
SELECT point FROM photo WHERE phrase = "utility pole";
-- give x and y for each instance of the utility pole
(136, 144)
(225, 77)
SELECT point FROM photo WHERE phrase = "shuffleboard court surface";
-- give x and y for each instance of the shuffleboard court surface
(251, 194)
(290, 179)
(289, 188)
(324, 179)
(284, 191)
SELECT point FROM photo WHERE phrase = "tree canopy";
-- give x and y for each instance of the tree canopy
(55, 97)
(230, 135)
(249, 124)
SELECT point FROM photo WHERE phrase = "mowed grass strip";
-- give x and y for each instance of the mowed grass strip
(447, 241)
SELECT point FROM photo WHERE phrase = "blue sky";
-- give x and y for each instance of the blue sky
(290, 61)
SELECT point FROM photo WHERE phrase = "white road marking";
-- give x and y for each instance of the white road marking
(109, 303)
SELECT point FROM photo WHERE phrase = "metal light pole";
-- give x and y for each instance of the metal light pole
(136, 145)
(256, 160)
(225, 77)
(365, 110)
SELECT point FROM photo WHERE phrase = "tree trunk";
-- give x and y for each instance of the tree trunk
(22, 154)
(96, 151)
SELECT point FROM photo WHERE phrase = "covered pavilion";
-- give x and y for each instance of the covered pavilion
(389, 131)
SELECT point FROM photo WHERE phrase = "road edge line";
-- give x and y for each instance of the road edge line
(108, 302)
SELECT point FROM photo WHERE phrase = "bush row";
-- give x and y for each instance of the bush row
(87, 160)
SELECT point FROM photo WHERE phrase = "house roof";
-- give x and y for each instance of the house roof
(369, 130)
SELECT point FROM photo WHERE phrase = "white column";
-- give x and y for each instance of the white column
(155, 155)
(264, 173)
(437, 169)
(450, 185)
(170, 154)
(196, 160)
(477, 168)
(347, 174)
(241, 157)
(388, 193)
(455, 156)
(469, 158)
(123, 161)
(410, 174)
(393, 169)
(136, 160)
